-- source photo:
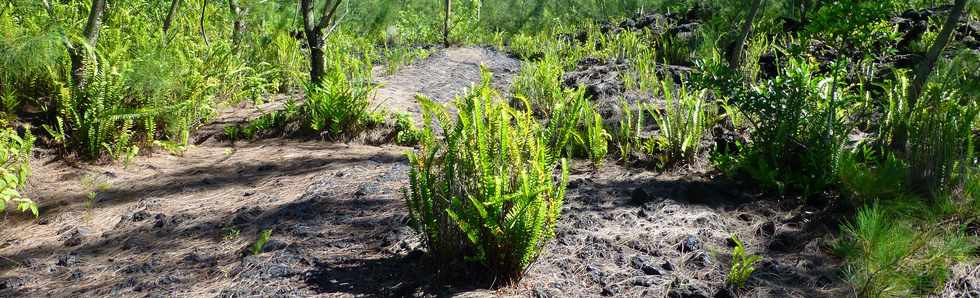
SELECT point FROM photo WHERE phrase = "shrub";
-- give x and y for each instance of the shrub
(15, 153)
(340, 104)
(798, 133)
(406, 133)
(486, 190)
(682, 123)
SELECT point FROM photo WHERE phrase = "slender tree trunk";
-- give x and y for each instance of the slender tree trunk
(314, 40)
(91, 33)
(925, 67)
(735, 54)
(314, 34)
(204, 34)
(447, 23)
(236, 35)
(174, 6)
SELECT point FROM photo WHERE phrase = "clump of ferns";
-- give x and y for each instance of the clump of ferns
(489, 188)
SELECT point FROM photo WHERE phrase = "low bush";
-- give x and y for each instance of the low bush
(797, 133)
(486, 189)
(15, 154)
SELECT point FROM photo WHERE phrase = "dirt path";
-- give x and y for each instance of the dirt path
(441, 77)
(179, 226)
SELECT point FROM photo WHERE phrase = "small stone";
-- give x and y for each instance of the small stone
(689, 243)
(160, 221)
(140, 216)
(767, 228)
(67, 260)
(608, 291)
(644, 281)
(645, 264)
(74, 236)
(274, 245)
(700, 259)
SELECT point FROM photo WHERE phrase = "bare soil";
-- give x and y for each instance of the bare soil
(167, 225)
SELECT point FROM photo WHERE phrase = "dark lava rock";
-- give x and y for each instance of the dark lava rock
(135, 241)
(145, 267)
(161, 221)
(645, 264)
(140, 216)
(700, 259)
(608, 291)
(667, 266)
(180, 218)
(68, 260)
(639, 196)
(75, 236)
(547, 293)
(767, 229)
(787, 240)
(690, 290)
(596, 275)
(245, 214)
(367, 188)
(11, 283)
(200, 261)
(689, 243)
(274, 245)
(76, 275)
(645, 281)
(168, 280)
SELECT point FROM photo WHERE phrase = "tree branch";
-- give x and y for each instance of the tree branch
(328, 15)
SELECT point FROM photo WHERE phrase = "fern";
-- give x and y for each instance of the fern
(485, 191)
(682, 123)
(743, 265)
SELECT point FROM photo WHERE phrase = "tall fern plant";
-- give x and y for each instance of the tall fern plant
(683, 122)
(486, 190)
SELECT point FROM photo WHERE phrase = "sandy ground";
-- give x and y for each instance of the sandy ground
(166, 225)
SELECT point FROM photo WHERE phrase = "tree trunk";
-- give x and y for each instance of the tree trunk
(91, 33)
(925, 67)
(204, 34)
(236, 35)
(174, 6)
(314, 41)
(735, 53)
(446, 23)
(314, 35)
